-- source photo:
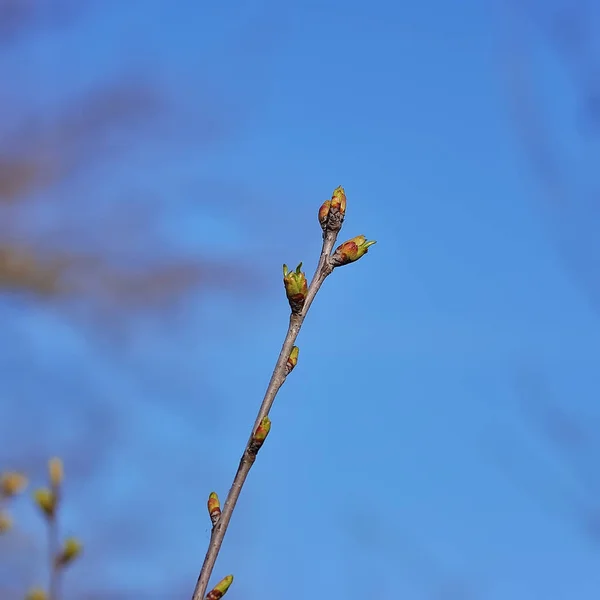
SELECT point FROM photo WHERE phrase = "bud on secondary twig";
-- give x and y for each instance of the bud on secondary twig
(220, 589)
(292, 361)
(12, 483)
(36, 594)
(214, 507)
(5, 522)
(46, 500)
(56, 472)
(70, 551)
(350, 251)
(296, 287)
(332, 212)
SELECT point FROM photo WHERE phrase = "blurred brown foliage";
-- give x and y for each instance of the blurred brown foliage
(107, 260)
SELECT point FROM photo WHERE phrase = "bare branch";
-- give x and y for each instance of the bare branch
(331, 219)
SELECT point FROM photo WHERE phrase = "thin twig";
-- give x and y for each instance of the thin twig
(324, 268)
(53, 546)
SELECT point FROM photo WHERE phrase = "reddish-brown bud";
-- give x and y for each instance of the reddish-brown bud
(214, 507)
(324, 214)
(338, 200)
(220, 589)
(332, 212)
(350, 251)
(259, 436)
(262, 431)
(292, 361)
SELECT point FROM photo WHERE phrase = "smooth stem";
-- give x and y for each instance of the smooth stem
(52, 555)
(277, 378)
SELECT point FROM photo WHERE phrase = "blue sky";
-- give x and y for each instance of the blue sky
(409, 456)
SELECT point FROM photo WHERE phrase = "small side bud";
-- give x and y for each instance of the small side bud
(296, 287)
(292, 361)
(220, 589)
(262, 431)
(70, 551)
(260, 435)
(56, 472)
(214, 507)
(350, 251)
(324, 214)
(36, 593)
(332, 212)
(6, 522)
(12, 483)
(46, 500)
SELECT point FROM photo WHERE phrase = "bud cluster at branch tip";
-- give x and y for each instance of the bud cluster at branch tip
(296, 287)
(332, 212)
(292, 361)
(220, 589)
(214, 507)
(350, 251)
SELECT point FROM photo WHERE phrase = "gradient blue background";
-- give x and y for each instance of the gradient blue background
(436, 440)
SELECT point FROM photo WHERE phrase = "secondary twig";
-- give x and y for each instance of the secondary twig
(331, 216)
(53, 501)
(60, 555)
(53, 549)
